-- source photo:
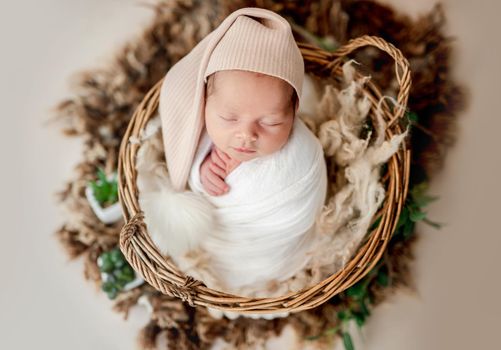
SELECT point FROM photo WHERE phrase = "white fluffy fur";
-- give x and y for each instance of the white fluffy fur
(186, 216)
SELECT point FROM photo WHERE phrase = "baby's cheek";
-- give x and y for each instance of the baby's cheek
(276, 140)
(219, 134)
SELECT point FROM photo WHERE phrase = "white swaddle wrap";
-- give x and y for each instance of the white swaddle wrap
(265, 220)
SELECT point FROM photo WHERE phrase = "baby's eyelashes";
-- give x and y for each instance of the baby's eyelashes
(228, 119)
(271, 124)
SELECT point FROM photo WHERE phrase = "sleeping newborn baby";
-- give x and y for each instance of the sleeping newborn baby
(248, 115)
(239, 155)
(264, 172)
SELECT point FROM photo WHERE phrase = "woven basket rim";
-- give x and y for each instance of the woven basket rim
(162, 273)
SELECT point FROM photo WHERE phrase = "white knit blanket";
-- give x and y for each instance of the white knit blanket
(265, 220)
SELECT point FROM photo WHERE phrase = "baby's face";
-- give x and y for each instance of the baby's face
(248, 115)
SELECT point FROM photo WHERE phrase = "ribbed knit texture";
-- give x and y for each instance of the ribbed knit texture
(250, 39)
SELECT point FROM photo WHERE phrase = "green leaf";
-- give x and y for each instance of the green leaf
(357, 291)
(124, 275)
(419, 189)
(100, 194)
(111, 278)
(417, 215)
(382, 278)
(408, 229)
(101, 175)
(120, 276)
(433, 224)
(97, 191)
(105, 255)
(105, 191)
(106, 263)
(107, 286)
(113, 198)
(412, 116)
(359, 319)
(117, 257)
(348, 343)
(424, 200)
(107, 266)
(121, 283)
(112, 294)
(363, 307)
(129, 271)
(404, 217)
(119, 262)
(343, 315)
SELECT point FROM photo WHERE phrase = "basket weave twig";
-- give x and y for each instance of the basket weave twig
(162, 273)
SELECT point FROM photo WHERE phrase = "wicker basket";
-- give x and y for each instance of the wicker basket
(163, 275)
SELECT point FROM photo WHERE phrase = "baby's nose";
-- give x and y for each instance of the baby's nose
(247, 134)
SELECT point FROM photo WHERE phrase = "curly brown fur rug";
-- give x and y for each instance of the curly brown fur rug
(100, 107)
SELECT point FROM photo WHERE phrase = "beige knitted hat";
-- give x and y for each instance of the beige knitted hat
(250, 39)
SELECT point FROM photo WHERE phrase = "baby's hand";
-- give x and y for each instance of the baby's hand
(212, 173)
(224, 160)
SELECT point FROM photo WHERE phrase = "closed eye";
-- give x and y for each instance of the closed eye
(271, 124)
(228, 119)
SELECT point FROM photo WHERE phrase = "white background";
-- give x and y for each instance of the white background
(45, 302)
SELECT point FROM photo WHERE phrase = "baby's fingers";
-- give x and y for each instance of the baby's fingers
(212, 190)
(222, 155)
(209, 187)
(217, 184)
(217, 160)
(217, 170)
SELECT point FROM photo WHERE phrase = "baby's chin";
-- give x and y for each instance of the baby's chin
(242, 157)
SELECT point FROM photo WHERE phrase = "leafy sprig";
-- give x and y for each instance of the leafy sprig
(413, 212)
(115, 272)
(105, 190)
(327, 43)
